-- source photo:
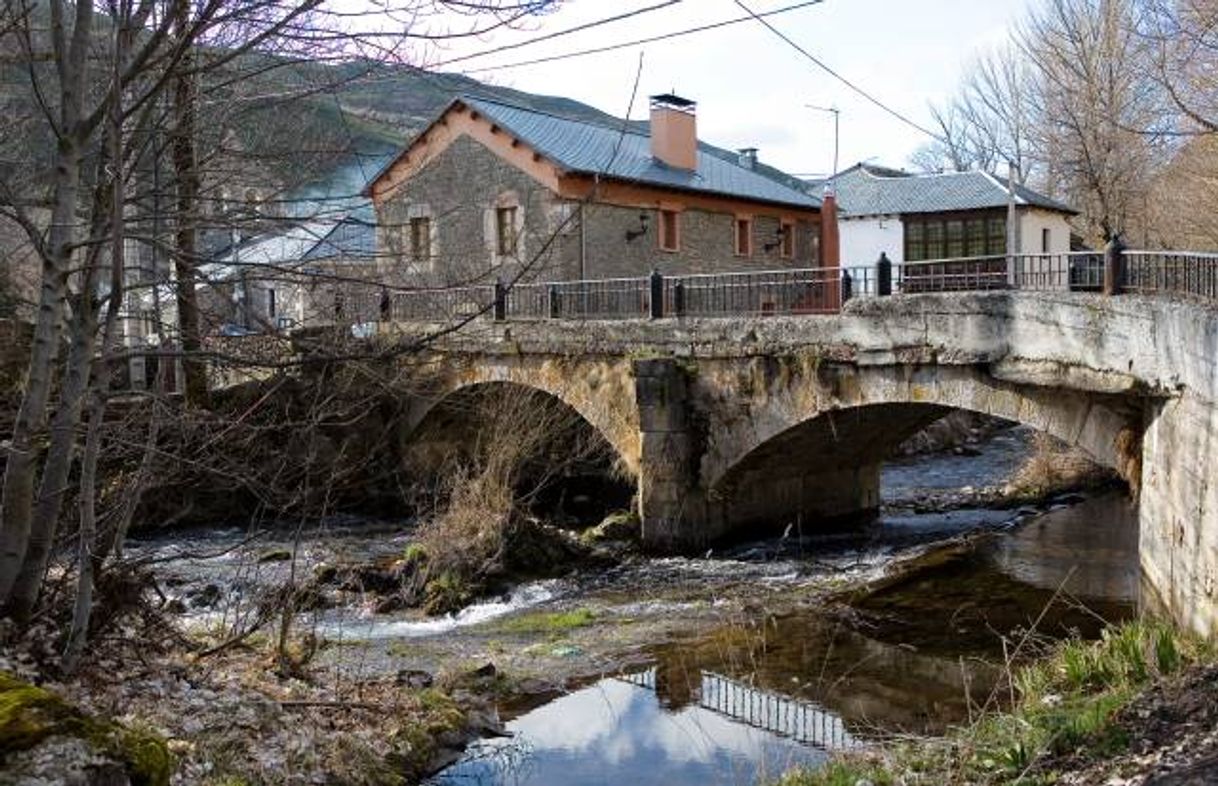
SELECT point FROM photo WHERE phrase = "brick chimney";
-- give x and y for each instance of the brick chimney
(674, 131)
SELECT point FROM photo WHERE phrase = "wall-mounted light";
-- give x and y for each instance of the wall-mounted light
(632, 234)
(778, 237)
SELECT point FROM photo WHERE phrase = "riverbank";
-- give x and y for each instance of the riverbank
(1139, 706)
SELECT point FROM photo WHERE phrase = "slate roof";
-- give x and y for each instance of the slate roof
(349, 239)
(354, 238)
(587, 147)
(865, 190)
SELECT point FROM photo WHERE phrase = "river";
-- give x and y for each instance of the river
(756, 686)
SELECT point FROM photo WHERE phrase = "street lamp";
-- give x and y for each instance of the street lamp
(837, 116)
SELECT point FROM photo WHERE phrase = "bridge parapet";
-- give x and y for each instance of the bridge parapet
(791, 291)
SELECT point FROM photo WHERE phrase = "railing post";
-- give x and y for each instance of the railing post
(678, 298)
(847, 286)
(386, 305)
(883, 275)
(657, 295)
(500, 301)
(553, 307)
(1114, 266)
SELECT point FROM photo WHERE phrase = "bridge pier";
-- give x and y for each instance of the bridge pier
(669, 500)
(680, 514)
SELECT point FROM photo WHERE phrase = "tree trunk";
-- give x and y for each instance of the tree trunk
(77, 374)
(16, 504)
(187, 173)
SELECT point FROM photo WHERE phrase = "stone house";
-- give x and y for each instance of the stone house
(302, 274)
(493, 190)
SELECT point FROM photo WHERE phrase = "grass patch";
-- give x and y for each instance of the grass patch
(1067, 703)
(548, 622)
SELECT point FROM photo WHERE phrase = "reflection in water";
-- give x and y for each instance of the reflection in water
(1090, 550)
(617, 732)
(772, 690)
(1067, 573)
(801, 721)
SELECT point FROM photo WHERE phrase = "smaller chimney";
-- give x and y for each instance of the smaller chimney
(674, 131)
(748, 157)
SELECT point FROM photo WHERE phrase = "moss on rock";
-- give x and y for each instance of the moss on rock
(29, 715)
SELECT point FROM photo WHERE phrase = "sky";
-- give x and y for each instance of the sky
(752, 88)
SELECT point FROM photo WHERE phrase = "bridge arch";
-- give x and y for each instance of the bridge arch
(594, 389)
(808, 443)
(849, 415)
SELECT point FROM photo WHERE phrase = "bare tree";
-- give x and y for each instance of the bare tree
(1183, 35)
(147, 67)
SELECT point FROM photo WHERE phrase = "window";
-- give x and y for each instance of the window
(1045, 241)
(997, 236)
(744, 237)
(270, 304)
(670, 230)
(955, 239)
(915, 240)
(505, 231)
(420, 239)
(974, 233)
(935, 249)
(944, 237)
(788, 239)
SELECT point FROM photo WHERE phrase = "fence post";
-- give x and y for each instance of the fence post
(883, 275)
(1114, 266)
(678, 298)
(657, 295)
(847, 286)
(386, 305)
(553, 306)
(500, 301)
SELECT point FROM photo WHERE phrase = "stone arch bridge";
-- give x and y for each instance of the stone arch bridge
(745, 422)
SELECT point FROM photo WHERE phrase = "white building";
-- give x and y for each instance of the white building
(942, 216)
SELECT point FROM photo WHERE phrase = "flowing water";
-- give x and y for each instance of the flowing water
(768, 691)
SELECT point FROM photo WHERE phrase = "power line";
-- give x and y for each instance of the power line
(557, 33)
(824, 67)
(648, 40)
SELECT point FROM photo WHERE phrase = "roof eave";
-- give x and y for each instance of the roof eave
(688, 190)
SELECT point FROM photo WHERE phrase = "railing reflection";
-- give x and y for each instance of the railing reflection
(802, 721)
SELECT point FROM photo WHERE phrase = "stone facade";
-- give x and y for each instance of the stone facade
(459, 193)
(461, 188)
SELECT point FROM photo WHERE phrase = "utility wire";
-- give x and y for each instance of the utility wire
(636, 42)
(824, 67)
(557, 34)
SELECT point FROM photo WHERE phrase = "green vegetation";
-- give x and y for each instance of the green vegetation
(552, 623)
(30, 714)
(1067, 703)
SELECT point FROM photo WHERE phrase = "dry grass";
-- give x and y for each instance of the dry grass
(1054, 466)
(524, 440)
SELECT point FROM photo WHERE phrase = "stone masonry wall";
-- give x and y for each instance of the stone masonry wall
(460, 190)
(467, 180)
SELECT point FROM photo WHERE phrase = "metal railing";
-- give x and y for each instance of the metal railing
(439, 305)
(964, 274)
(804, 291)
(1189, 274)
(793, 291)
(610, 298)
